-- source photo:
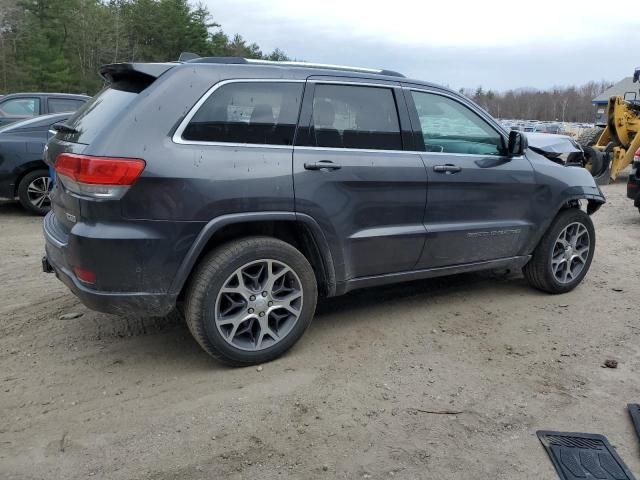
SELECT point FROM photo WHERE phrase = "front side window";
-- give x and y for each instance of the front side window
(248, 112)
(20, 107)
(349, 116)
(450, 127)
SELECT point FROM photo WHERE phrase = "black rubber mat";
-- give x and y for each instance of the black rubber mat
(583, 456)
(634, 411)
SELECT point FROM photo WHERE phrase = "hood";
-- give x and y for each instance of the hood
(552, 144)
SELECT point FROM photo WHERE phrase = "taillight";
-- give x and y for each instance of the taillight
(98, 177)
(636, 157)
(87, 276)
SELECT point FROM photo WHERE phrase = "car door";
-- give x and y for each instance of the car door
(18, 108)
(353, 177)
(479, 200)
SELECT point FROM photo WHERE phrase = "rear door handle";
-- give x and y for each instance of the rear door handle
(322, 165)
(448, 168)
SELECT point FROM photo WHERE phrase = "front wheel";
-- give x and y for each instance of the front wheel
(250, 300)
(563, 257)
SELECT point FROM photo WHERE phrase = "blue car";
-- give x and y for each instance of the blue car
(23, 173)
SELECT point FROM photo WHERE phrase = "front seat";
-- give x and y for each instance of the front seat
(261, 124)
(324, 117)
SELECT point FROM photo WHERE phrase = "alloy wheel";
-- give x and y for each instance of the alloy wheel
(570, 252)
(38, 192)
(258, 304)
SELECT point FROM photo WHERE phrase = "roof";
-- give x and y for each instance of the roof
(618, 90)
(260, 68)
(306, 65)
(42, 94)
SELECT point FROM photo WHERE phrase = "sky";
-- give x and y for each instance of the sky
(459, 43)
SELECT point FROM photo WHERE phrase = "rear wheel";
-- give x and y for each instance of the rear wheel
(563, 257)
(250, 300)
(34, 190)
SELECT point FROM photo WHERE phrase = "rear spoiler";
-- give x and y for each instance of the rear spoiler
(145, 72)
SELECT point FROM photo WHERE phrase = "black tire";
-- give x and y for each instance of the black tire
(590, 136)
(211, 274)
(538, 271)
(26, 197)
(586, 140)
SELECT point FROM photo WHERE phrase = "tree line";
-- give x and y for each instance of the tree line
(59, 45)
(564, 104)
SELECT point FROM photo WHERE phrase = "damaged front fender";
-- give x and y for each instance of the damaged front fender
(550, 144)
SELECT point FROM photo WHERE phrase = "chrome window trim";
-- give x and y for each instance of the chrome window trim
(411, 152)
(364, 150)
(177, 136)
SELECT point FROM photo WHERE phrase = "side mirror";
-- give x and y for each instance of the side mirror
(517, 144)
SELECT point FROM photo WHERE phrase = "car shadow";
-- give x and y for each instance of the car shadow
(432, 288)
(167, 340)
(12, 208)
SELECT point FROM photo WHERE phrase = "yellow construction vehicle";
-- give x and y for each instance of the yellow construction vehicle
(610, 148)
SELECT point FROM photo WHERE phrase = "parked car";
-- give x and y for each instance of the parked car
(19, 106)
(23, 173)
(547, 128)
(244, 196)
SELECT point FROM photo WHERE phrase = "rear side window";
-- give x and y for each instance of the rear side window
(60, 105)
(347, 116)
(248, 112)
(96, 114)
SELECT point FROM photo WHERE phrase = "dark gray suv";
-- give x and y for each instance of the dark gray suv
(240, 190)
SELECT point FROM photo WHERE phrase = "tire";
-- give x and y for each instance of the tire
(590, 136)
(29, 198)
(206, 305)
(586, 140)
(539, 272)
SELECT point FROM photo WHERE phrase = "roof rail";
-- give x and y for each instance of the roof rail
(240, 60)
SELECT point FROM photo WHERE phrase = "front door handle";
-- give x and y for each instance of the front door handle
(322, 165)
(448, 168)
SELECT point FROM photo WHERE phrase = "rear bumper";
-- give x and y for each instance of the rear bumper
(56, 261)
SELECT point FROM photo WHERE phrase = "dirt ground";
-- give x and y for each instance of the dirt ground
(104, 397)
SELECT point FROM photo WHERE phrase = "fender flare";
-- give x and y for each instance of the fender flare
(215, 225)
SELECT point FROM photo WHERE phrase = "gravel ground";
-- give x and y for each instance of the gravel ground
(106, 397)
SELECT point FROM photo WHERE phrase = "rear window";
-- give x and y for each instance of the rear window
(248, 112)
(91, 118)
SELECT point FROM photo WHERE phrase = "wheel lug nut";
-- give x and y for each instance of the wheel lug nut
(251, 310)
(262, 314)
(270, 304)
(264, 294)
(252, 298)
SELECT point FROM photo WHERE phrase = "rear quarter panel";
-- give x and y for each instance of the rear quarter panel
(192, 182)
